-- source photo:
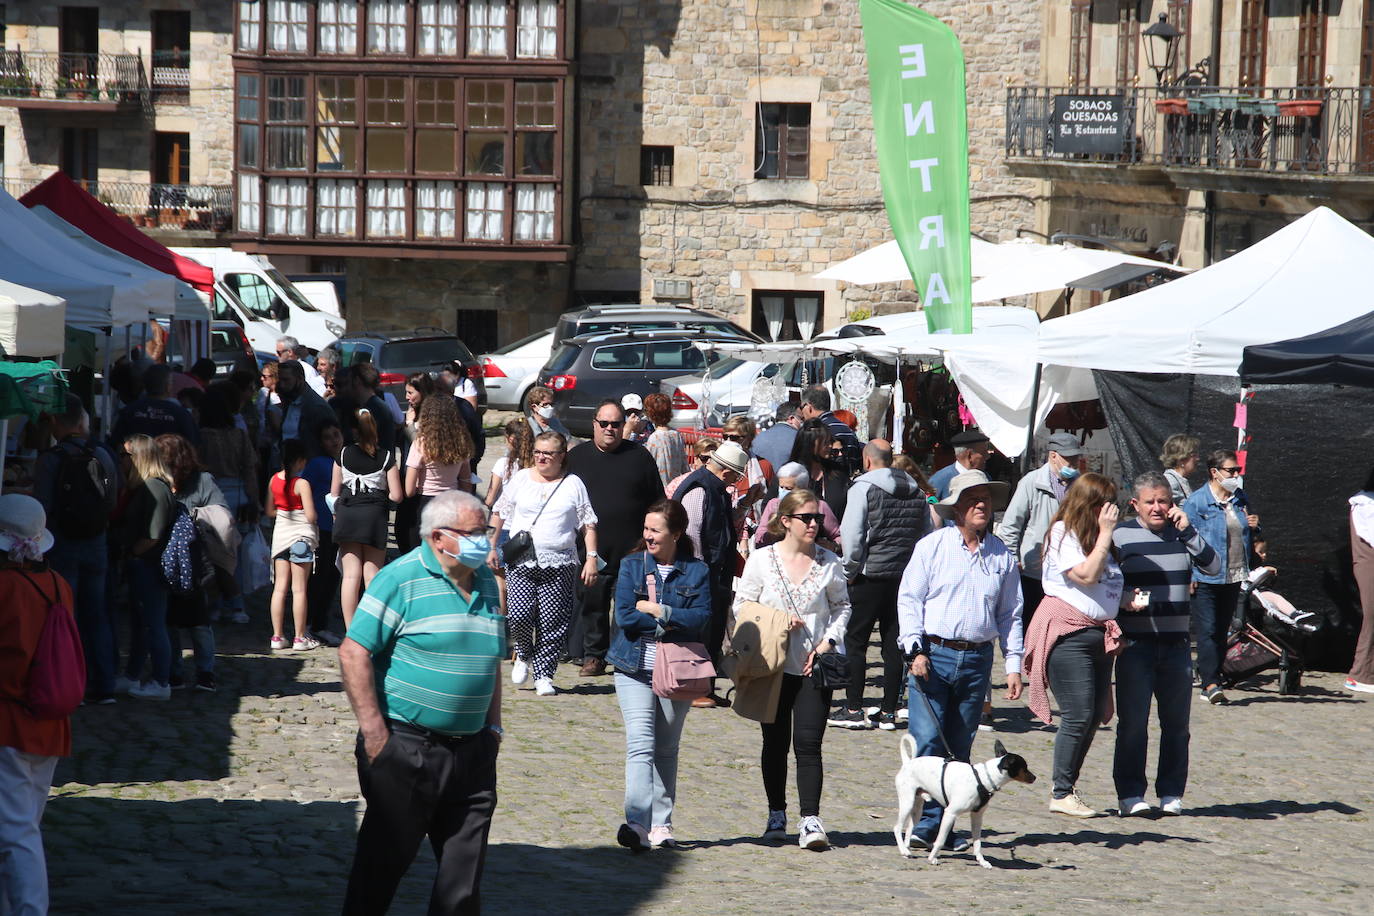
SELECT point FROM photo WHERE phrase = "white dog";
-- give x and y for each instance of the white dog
(959, 787)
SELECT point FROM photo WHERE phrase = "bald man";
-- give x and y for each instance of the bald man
(886, 513)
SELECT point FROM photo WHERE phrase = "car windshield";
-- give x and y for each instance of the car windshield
(562, 359)
(422, 354)
(725, 367)
(296, 296)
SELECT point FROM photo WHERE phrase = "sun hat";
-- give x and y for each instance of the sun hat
(731, 457)
(23, 527)
(966, 480)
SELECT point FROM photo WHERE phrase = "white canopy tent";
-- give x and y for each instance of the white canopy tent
(32, 322)
(1309, 276)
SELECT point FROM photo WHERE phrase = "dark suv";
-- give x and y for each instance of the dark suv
(397, 354)
(584, 371)
(611, 319)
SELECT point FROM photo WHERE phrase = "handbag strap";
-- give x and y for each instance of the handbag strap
(550, 499)
(787, 591)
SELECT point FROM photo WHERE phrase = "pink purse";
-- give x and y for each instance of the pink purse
(682, 670)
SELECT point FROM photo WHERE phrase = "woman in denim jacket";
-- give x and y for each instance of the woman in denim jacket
(662, 594)
(1221, 514)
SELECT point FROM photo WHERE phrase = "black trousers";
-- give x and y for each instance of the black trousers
(1032, 591)
(407, 523)
(595, 615)
(800, 722)
(722, 596)
(415, 788)
(323, 586)
(873, 601)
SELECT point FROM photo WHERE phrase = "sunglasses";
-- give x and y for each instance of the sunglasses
(1233, 470)
(732, 437)
(610, 424)
(808, 518)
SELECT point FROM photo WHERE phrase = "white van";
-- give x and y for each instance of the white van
(252, 293)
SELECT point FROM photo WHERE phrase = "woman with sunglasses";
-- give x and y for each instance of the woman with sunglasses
(823, 457)
(1221, 513)
(541, 586)
(806, 582)
(760, 473)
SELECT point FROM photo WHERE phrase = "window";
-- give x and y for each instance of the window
(485, 139)
(656, 165)
(537, 29)
(676, 355)
(81, 156)
(782, 141)
(338, 26)
(250, 25)
(286, 206)
(1080, 42)
(253, 292)
(1181, 18)
(336, 207)
(171, 55)
(386, 209)
(487, 28)
(386, 104)
(336, 117)
(288, 25)
(386, 26)
(536, 121)
(1127, 41)
(786, 315)
(285, 139)
(438, 28)
(250, 204)
(248, 109)
(436, 117)
(1312, 42)
(486, 210)
(622, 356)
(171, 158)
(1254, 28)
(534, 212)
(436, 209)
(477, 329)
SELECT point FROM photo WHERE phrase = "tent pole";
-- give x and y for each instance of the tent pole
(1030, 420)
(4, 448)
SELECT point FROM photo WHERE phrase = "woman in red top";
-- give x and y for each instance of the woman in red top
(29, 747)
(295, 537)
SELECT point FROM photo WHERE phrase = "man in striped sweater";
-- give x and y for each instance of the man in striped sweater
(1159, 548)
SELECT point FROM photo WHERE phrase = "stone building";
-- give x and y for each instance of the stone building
(1258, 112)
(131, 98)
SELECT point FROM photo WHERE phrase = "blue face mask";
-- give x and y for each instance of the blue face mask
(1068, 472)
(472, 550)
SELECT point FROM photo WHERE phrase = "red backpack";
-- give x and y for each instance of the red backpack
(57, 674)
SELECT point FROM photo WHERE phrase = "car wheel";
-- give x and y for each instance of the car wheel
(524, 402)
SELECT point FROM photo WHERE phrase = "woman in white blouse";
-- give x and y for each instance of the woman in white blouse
(1074, 633)
(807, 583)
(541, 588)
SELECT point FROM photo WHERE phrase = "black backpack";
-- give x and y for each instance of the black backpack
(81, 497)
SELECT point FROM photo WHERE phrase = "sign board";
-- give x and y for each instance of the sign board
(1089, 124)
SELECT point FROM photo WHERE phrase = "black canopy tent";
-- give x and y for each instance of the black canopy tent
(1343, 355)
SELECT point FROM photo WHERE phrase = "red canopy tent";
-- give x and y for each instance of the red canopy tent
(74, 204)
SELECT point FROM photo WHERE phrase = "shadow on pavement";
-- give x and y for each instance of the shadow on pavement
(116, 856)
(606, 880)
(1271, 810)
(1099, 838)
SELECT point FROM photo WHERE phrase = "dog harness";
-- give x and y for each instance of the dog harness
(984, 793)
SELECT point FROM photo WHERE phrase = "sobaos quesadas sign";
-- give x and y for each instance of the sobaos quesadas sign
(1088, 123)
(920, 121)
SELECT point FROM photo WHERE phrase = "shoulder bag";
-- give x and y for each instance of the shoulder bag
(829, 670)
(682, 670)
(519, 545)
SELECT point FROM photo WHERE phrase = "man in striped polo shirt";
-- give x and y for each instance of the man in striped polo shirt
(1159, 548)
(421, 666)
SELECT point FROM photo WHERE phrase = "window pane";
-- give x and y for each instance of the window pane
(438, 27)
(486, 104)
(486, 153)
(386, 209)
(250, 24)
(286, 147)
(538, 29)
(287, 21)
(630, 356)
(336, 100)
(386, 150)
(249, 88)
(386, 100)
(534, 105)
(434, 151)
(336, 148)
(674, 356)
(534, 153)
(248, 145)
(485, 210)
(434, 101)
(436, 209)
(336, 208)
(534, 212)
(386, 26)
(487, 28)
(285, 98)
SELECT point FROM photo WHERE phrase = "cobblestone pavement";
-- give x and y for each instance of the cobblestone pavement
(246, 801)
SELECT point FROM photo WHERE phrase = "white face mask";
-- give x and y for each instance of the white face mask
(1232, 484)
(546, 411)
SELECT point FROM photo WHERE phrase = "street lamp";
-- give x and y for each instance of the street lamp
(1161, 47)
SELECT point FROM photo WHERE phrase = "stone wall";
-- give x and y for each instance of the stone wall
(703, 68)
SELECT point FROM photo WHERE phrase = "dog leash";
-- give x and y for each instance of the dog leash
(984, 793)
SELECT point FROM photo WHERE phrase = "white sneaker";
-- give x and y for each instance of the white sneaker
(544, 687)
(903, 714)
(151, 690)
(305, 644)
(519, 672)
(1071, 805)
(124, 684)
(812, 834)
(1135, 807)
(279, 642)
(1171, 804)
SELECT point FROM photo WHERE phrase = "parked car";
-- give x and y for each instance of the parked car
(511, 371)
(725, 389)
(229, 346)
(609, 319)
(397, 354)
(584, 371)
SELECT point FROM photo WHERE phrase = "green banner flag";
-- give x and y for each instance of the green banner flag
(920, 119)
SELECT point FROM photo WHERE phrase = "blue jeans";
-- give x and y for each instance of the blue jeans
(148, 595)
(653, 727)
(1159, 668)
(1079, 672)
(1213, 608)
(956, 687)
(202, 646)
(235, 496)
(84, 564)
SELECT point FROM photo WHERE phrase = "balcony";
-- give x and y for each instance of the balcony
(1274, 140)
(52, 81)
(172, 76)
(191, 208)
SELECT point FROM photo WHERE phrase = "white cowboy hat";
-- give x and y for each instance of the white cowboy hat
(23, 524)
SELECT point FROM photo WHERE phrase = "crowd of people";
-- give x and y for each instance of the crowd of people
(602, 553)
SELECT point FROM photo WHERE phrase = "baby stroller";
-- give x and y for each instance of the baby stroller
(1250, 651)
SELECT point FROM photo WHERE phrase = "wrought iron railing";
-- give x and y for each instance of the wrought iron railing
(72, 77)
(158, 206)
(1309, 131)
(171, 75)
